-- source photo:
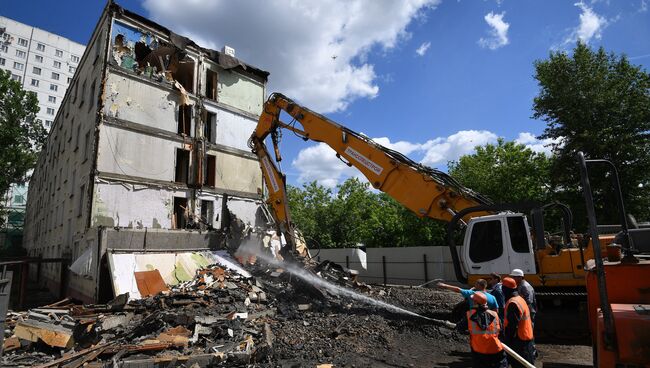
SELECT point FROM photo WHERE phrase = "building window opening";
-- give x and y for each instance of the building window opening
(211, 84)
(210, 165)
(209, 127)
(182, 165)
(207, 213)
(147, 55)
(185, 120)
(181, 213)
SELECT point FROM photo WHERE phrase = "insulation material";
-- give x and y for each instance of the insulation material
(151, 57)
(241, 92)
(173, 267)
(238, 173)
(139, 155)
(84, 265)
(138, 102)
(234, 130)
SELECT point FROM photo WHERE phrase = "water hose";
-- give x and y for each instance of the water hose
(518, 357)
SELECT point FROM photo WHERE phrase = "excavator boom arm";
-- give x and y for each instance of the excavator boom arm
(425, 191)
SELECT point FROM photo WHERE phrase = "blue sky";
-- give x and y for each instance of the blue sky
(471, 82)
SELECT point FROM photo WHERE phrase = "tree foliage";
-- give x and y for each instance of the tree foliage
(352, 214)
(505, 172)
(597, 103)
(21, 135)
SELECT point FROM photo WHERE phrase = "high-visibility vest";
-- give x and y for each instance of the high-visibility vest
(525, 327)
(484, 341)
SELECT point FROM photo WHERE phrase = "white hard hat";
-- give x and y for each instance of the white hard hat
(517, 273)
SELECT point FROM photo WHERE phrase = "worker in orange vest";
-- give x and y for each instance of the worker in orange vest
(484, 326)
(517, 326)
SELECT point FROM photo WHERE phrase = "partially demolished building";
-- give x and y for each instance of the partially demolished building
(147, 152)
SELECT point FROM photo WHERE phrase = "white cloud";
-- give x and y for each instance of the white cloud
(591, 25)
(316, 51)
(423, 48)
(530, 140)
(441, 150)
(319, 162)
(498, 32)
(643, 7)
(403, 147)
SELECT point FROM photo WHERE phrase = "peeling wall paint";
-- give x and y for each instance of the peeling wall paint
(140, 155)
(132, 100)
(133, 206)
(241, 92)
(234, 130)
(237, 173)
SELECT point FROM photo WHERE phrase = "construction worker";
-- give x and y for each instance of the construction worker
(479, 285)
(517, 325)
(494, 283)
(526, 291)
(484, 327)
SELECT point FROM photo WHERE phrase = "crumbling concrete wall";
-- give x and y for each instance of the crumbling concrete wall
(137, 101)
(112, 158)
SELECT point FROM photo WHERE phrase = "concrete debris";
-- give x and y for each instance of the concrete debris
(217, 319)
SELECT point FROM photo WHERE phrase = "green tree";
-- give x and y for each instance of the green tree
(355, 214)
(21, 135)
(597, 103)
(505, 172)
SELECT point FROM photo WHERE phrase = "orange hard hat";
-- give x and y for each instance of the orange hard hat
(509, 282)
(479, 298)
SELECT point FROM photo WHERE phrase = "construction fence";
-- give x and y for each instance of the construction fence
(395, 266)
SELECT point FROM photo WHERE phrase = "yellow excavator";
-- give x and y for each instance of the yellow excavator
(498, 237)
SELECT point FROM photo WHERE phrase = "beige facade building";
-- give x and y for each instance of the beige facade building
(148, 151)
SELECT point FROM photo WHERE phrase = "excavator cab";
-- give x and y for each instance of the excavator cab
(498, 243)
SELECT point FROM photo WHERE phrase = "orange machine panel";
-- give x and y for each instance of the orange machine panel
(626, 284)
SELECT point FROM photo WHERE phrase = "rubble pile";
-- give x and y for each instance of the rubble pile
(222, 318)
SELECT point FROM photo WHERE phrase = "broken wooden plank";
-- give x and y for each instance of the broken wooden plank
(52, 335)
(65, 358)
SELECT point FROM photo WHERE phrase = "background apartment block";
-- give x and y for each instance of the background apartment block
(42, 61)
(148, 151)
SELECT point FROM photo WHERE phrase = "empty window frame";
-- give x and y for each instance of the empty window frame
(91, 102)
(207, 212)
(185, 120)
(80, 204)
(210, 127)
(182, 166)
(211, 84)
(210, 170)
(179, 217)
